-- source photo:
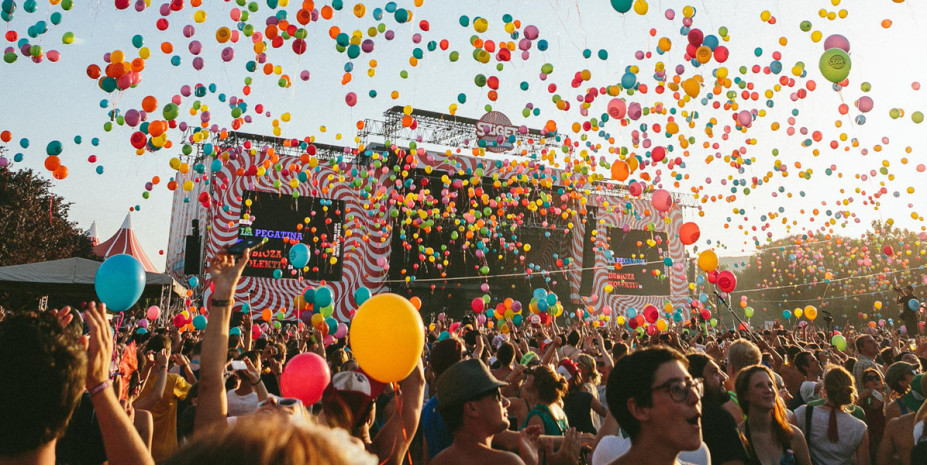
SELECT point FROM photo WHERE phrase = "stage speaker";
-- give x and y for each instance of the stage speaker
(191, 257)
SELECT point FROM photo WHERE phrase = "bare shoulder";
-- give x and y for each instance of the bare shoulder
(796, 431)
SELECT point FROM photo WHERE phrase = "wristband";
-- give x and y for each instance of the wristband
(220, 303)
(259, 381)
(100, 388)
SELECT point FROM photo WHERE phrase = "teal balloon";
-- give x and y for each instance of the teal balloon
(361, 295)
(323, 297)
(236, 331)
(299, 255)
(119, 282)
(517, 320)
(199, 322)
(278, 274)
(787, 314)
(622, 6)
(913, 304)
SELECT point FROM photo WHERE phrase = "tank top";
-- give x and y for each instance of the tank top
(552, 427)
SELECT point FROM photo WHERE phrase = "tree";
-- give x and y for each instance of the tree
(34, 224)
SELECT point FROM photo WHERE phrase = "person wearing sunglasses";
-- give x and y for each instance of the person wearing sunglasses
(771, 440)
(656, 402)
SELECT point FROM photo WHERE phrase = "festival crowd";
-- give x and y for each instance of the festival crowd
(77, 389)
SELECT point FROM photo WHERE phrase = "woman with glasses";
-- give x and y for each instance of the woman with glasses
(771, 440)
(835, 437)
(872, 399)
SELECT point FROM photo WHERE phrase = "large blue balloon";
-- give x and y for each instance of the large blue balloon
(323, 297)
(119, 282)
(299, 255)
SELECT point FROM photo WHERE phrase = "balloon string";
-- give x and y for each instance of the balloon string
(397, 394)
(115, 355)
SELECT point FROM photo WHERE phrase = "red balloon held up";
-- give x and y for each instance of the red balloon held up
(305, 377)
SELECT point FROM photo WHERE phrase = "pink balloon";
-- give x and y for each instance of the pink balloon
(634, 111)
(745, 118)
(153, 312)
(662, 200)
(341, 331)
(617, 108)
(837, 41)
(305, 377)
(636, 188)
(143, 323)
(864, 103)
(478, 305)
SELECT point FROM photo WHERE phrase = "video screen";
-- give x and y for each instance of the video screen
(639, 253)
(286, 221)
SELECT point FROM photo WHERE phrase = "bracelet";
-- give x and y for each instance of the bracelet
(259, 381)
(100, 387)
(220, 303)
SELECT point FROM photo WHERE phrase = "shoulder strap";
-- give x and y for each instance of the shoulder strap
(809, 409)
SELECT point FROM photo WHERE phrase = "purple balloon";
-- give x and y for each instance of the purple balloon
(367, 46)
(304, 75)
(195, 47)
(390, 34)
(165, 9)
(140, 5)
(132, 117)
(531, 32)
(198, 63)
(228, 53)
(185, 91)
(634, 111)
(188, 31)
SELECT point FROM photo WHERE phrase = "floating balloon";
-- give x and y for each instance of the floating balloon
(708, 261)
(387, 337)
(119, 282)
(305, 377)
(689, 233)
(727, 282)
(299, 255)
(835, 65)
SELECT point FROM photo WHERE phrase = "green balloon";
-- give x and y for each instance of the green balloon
(622, 6)
(835, 65)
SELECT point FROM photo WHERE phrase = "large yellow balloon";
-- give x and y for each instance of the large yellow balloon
(708, 261)
(387, 337)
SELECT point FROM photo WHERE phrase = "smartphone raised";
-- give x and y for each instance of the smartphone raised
(238, 365)
(249, 242)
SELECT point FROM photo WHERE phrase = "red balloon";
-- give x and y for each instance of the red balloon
(651, 314)
(727, 281)
(888, 251)
(713, 277)
(689, 233)
(305, 377)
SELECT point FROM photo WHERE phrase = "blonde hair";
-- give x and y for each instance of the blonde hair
(273, 439)
(588, 363)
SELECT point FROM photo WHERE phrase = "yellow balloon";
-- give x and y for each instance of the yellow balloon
(387, 337)
(811, 313)
(708, 261)
(661, 324)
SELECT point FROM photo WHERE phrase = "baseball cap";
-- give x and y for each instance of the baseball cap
(528, 358)
(465, 380)
(915, 396)
(897, 371)
(567, 369)
(352, 392)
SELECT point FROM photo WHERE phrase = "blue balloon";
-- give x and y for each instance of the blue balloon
(542, 305)
(194, 281)
(278, 273)
(332, 325)
(444, 335)
(540, 293)
(199, 322)
(323, 297)
(361, 295)
(119, 282)
(141, 331)
(628, 81)
(299, 255)
(632, 312)
(309, 295)
(913, 304)
(551, 299)
(517, 320)
(236, 331)
(622, 6)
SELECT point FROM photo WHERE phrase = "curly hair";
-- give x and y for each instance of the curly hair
(548, 384)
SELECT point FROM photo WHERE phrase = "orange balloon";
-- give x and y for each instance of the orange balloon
(60, 172)
(52, 163)
(689, 233)
(149, 104)
(620, 170)
(416, 302)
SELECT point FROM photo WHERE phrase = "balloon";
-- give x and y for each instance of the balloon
(708, 261)
(119, 282)
(913, 304)
(748, 312)
(153, 313)
(689, 233)
(416, 302)
(478, 305)
(387, 336)
(811, 312)
(727, 281)
(179, 321)
(622, 6)
(361, 295)
(662, 200)
(839, 342)
(199, 322)
(323, 297)
(835, 65)
(299, 255)
(305, 377)
(620, 170)
(864, 104)
(787, 314)
(617, 108)
(651, 313)
(837, 41)
(888, 251)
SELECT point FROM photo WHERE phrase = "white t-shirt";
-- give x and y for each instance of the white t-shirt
(809, 391)
(612, 447)
(242, 405)
(824, 452)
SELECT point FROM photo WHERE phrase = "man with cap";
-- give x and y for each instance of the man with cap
(902, 377)
(472, 406)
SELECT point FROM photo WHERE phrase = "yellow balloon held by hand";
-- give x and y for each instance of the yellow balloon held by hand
(387, 337)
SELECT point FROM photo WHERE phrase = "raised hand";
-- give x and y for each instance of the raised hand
(226, 270)
(99, 347)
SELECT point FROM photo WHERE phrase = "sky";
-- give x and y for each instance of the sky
(49, 101)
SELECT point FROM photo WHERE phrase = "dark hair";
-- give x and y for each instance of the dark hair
(573, 338)
(444, 354)
(792, 351)
(158, 342)
(632, 378)
(839, 386)
(859, 342)
(506, 353)
(802, 361)
(850, 364)
(780, 424)
(42, 373)
(888, 355)
(697, 364)
(548, 384)
(619, 350)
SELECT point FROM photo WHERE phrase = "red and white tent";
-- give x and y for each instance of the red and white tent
(124, 241)
(92, 234)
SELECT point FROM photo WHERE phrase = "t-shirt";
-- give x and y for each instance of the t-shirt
(809, 391)
(164, 434)
(612, 447)
(241, 405)
(437, 437)
(824, 452)
(720, 433)
(577, 405)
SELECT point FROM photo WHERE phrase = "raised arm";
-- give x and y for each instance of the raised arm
(394, 438)
(122, 443)
(212, 405)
